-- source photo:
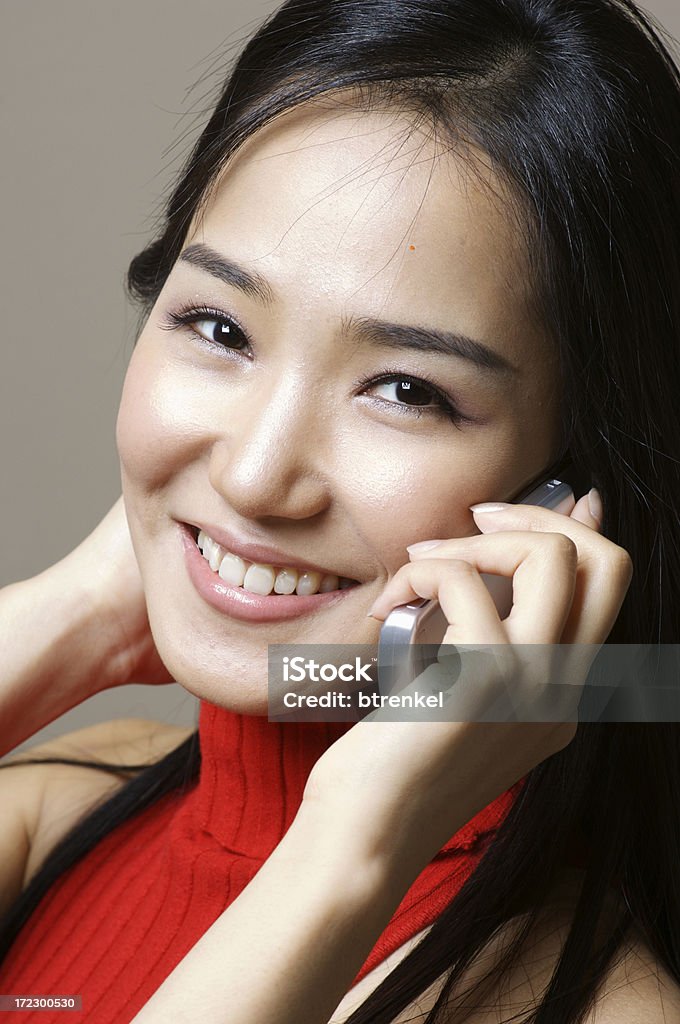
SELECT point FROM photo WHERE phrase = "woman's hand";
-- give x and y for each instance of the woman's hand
(104, 569)
(408, 786)
(73, 630)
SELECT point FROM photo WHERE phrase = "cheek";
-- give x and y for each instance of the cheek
(399, 495)
(154, 429)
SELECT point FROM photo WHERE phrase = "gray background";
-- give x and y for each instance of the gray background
(99, 105)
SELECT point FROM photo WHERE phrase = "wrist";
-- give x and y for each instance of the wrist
(51, 659)
(350, 847)
(75, 646)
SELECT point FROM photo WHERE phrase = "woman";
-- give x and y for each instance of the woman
(500, 177)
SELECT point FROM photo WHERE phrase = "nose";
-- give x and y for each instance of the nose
(269, 458)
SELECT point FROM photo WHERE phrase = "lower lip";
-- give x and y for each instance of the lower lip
(241, 604)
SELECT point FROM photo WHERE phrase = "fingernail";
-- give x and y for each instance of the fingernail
(490, 506)
(423, 545)
(595, 504)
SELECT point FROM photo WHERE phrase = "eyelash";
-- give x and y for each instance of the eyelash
(446, 408)
(185, 317)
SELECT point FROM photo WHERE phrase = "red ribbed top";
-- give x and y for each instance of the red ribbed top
(115, 925)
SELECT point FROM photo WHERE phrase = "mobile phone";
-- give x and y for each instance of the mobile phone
(411, 633)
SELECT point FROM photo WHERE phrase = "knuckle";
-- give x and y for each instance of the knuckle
(402, 572)
(622, 564)
(562, 547)
(459, 567)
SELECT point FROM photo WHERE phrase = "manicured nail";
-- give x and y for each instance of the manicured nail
(490, 506)
(595, 504)
(423, 545)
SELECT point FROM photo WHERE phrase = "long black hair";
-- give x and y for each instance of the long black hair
(577, 105)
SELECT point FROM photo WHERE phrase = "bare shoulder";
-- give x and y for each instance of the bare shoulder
(636, 989)
(118, 740)
(52, 797)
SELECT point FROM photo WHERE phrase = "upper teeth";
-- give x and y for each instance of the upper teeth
(262, 578)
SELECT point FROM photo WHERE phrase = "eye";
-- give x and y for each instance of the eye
(409, 391)
(413, 396)
(212, 326)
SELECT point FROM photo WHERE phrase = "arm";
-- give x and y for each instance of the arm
(288, 948)
(73, 630)
(53, 656)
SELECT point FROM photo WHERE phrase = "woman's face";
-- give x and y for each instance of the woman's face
(371, 369)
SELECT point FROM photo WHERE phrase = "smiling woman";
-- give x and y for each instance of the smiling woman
(379, 299)
(325, 333)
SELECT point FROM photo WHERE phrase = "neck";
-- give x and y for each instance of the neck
(253, 775)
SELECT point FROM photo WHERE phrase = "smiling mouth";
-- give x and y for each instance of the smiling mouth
(264, 578)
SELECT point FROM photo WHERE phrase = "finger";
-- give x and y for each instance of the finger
(580, 526)
(542, 567)
(588, 510)
(604, 569)
(465, 601)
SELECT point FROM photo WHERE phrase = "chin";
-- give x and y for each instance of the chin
(234, 689)
(219, 671)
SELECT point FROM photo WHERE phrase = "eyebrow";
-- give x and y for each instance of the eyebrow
(205, 258)
(368, 329)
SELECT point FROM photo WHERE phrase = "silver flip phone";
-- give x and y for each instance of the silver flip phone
(412, 633)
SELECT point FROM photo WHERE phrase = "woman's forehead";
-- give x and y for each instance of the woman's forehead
(368, 210)
(313, 160)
